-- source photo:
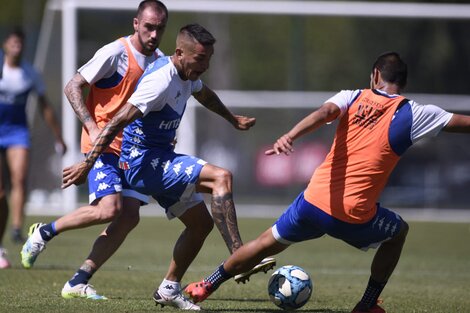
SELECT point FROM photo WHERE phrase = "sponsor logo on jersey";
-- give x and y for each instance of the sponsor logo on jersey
(173, 124)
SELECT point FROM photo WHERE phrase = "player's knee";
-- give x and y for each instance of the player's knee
(202, 227)
(130, 218)
(404, 230)
(223, 179)
(108, 210)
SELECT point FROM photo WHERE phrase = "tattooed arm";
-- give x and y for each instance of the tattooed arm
(211, 101)
(77, 173)
(74, 93)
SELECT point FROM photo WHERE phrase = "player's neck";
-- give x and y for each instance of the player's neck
(389, 88)
(12, 61)
(134, 39)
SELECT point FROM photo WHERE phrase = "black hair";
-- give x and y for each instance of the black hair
(199, 33)
(16, 32)
(392, 68)
(156, 4)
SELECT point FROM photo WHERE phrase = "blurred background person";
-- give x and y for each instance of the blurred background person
(18, 78)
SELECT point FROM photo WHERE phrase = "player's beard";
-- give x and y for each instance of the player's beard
(148, 47)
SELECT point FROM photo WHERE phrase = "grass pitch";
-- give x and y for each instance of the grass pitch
(433, 274)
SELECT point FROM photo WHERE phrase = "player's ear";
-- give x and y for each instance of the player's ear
(179, 52)
(136, 24)
(375, 77)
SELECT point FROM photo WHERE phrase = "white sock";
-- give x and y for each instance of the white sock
(169, 288)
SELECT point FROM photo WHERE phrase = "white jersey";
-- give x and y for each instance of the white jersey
(111, 62)
(161, 96)
(16, 84)
(412, 121)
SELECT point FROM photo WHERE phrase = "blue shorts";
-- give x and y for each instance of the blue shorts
(303, 221)
(170, 178)
(13, 137)
(106, 178)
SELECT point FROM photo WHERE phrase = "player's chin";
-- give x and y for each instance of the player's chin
(152, 46)
(194, 76)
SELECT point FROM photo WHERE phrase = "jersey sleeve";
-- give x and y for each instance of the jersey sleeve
(428, 120)
(196, 86)
(150, 93)
(103, 64)
(344, 99)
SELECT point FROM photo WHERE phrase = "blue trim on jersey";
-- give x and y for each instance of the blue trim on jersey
(383, 93)
(110, 82)
(155, 65)
(355, 98)
(399, 135)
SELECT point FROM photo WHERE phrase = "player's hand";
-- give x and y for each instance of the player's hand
(282, 145)
(75, 174)
(244, 122)
(60, 147)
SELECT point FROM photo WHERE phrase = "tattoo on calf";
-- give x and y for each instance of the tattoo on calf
(225, 218)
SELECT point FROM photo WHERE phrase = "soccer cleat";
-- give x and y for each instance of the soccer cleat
(33, 246)
(264, 266)
(4, 263)
(81, 291)
(178, 301)
(374, 309)
(199, 291)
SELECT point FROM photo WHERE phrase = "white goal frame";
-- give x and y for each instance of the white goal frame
(69, 10)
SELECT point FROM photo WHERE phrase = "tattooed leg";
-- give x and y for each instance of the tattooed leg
(225, 218)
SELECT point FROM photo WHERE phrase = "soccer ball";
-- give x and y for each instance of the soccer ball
(290, 287)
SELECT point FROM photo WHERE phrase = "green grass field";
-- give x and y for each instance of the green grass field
(432, 276)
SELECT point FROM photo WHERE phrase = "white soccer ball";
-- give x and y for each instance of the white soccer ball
(290, 287)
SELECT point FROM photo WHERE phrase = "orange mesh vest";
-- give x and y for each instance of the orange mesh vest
(349, 182)
(103, 103)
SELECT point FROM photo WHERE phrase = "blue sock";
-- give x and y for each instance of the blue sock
(218, 277)
(80, 277)
(48, 231)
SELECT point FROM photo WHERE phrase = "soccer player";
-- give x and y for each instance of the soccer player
(376, 126)
(111, 76)
(151, 118)
(17, 80)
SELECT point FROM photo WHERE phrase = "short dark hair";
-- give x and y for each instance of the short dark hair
(199, 33)
(156, 4)
(392, 68)
(15, 32)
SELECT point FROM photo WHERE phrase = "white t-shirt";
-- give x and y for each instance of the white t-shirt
(113, 58)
